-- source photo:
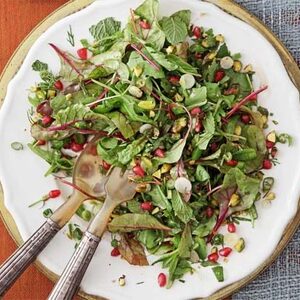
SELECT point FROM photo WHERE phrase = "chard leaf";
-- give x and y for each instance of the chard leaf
(159, 199)
(175, 29)
(132, 251)
(122, 124)
(161, 59)
(148, 10)
(197, 97)
(131, 150)
(186, 242)
(59, 102)
(173, 155)
(181, 208)
(183, 66)
(133, 222)
(105, 28)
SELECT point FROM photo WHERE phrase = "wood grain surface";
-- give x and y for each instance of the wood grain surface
(26, 15)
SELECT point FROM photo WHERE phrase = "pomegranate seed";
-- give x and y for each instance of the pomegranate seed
(174, 79)
(267, 164)
(147, 206)
(54, 193)
(214, 147)
(162, 279)
(245, 119)
(209, 212)
(44, 108)
(274, 152)
(106, 166)
(198, 126)
(231, 91)
(58, 85)
(82, 53)
(231, 227)
(159, 152)
(138, 170)
(115, 252)
(197, 32)
(219, 75)
(231, 163)
(41, 143)
(225, 251)
(76, 147)
(195, 111)
(213, 257)
(198, 55)
(145, 24)
(269, 144)
(47, 120)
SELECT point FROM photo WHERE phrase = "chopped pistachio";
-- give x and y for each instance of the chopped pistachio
(157, 174)
(248, 69)
(214, 249)
(140, 83)
(151, 113)
(146, 163)
(33, 89)
(238, 130)
(51, 93)
(169, 194)
(122, 281)
(40, 94)
(271, 137)
(237, 66)
(234, 200)
(220, 38)
(165, 168)
(147, 104)
(178, 97)
(264, 119)
(170, 49)
(137, 70)
(270, 196)
(142, 187)
(211, 55)
(68, 96)
(205, 44)
(240, 245)
(155, 211)
(192, 162)
(179, 124)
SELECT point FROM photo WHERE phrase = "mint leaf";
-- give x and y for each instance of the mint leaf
(39, 66)
(105, 28)
(184, 15)
(156, 37)
(175, 29)
(148, 10)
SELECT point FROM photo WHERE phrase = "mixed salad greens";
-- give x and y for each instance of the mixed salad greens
(175, 106)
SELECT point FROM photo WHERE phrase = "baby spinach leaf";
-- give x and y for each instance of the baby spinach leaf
(148, 10)
(159, 199)
(181, 208)
(133, 222)
(105, 28)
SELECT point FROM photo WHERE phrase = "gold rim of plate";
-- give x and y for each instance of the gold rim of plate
(73, 6)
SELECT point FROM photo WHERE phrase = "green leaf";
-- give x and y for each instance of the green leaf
(183, 66)
(175, 29)
(131, 150)
(181, 208)
(242, 80)
(202, 140)
(255, 138)
(150, 238)
(201, 248)
(39, 66)
(59, 102)
(159, 199)
(105, 28)
(213, 91)
(186, 242)
(184, 15)
(245, 154)
(122, 124)
(161, 59)
(223, 51)
(201, 174)
(197, 97)
(133, 222)
(156, 37)
(204, 229)
(148, 10)
(173, 155)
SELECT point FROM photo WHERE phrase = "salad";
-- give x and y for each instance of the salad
(176, 107)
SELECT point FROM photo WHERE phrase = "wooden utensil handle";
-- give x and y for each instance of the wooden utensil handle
(16, 264)
(69, 281)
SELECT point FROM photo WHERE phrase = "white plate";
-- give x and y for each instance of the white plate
(21, 172)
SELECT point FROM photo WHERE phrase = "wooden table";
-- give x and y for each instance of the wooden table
(17, 19)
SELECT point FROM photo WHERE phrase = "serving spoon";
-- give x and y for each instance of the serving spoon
(87, 177)
(118, 190)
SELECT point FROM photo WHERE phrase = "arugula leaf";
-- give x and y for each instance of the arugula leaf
(133, 222)
(197, 97)
(105, 28)
(39, 66)
(159, 199)
(186, 242)
(175, 29)
(148, 10)
(183, 66)
(131, 150)
(181, 208)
